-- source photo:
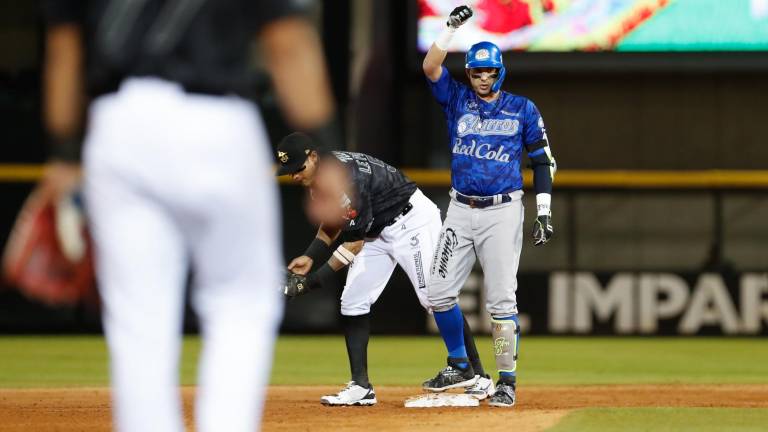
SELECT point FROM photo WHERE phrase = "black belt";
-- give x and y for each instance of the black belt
(403, 212)
(481, 202)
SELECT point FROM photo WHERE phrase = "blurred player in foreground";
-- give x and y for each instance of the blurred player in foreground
(488, 129)
(381, 220)
(178, 172)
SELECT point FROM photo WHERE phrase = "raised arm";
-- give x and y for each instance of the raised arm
(433, 61)
(63, 107)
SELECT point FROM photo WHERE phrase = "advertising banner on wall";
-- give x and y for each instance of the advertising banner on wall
(632, 303)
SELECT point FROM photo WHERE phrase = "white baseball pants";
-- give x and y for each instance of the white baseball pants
(173, 179)
(410, 242)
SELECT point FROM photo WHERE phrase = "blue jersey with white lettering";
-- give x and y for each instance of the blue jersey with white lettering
(486, 138)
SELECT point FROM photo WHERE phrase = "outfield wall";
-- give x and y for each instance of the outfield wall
(634, 254)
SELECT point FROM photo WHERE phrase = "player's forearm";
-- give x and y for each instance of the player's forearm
(328, 235)
(345, 254)
(342, 257)
(63, 104)
(542, 179)
(435, 57)
(295, 61)
(544, 167)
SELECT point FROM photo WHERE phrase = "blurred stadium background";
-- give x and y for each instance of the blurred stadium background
(656, 112)
(660, 202)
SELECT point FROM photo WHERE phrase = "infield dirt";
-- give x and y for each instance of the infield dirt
(291, 408)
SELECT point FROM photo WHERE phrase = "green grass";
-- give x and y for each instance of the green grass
(64, 361)
(73, 361)
(664, 420)
(405, 361)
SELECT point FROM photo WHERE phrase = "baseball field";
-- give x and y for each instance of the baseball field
(58, 383)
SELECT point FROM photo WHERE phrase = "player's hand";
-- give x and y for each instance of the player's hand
(542, 230)
(295, 285)
(459, 16)
(60, 179)
(301, 265)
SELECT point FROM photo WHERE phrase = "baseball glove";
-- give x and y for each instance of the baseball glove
(48, 254)
(295, 285)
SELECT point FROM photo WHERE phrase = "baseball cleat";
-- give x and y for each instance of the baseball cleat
(482, 389)
(351, 395)
(504, 395)
(451, 377)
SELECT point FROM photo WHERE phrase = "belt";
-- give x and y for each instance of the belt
(481, 202)
(403, 212)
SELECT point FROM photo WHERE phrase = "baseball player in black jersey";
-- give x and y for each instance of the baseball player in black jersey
(383, 220)
(177, 171)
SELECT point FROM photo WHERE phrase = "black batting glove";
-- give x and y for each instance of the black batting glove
(459, 16)
(542, 230)
(295, 285)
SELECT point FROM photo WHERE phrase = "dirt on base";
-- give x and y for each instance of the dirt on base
(298, 408)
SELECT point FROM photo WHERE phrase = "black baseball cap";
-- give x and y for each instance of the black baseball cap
(293, 151)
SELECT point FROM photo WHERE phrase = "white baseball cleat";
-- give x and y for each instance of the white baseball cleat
(351, 395)
(482, 388)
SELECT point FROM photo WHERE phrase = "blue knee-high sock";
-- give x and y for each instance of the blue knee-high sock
(511, 376)
(451, 325)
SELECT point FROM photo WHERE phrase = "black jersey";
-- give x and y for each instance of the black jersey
(381, 192)
(201, 44)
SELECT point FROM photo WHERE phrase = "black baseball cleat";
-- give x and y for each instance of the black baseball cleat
(504, 395)
(452, 376)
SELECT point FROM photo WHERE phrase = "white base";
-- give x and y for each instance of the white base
(436, 400)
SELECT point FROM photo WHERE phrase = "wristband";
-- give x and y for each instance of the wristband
(324, 276)
(65, 149)
(318, 251)
(543, 203)
(444, 40)
(344, 255)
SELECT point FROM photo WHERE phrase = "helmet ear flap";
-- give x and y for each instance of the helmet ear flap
(497, 85)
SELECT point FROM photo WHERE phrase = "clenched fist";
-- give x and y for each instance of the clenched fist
(459, 16)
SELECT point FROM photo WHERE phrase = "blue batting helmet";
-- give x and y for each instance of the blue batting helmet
(486, 55)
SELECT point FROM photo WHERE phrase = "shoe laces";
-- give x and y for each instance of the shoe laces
(505, 388)
(347, 387)
(449, 369)
(478, 385)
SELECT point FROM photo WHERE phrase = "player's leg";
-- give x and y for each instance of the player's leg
(484, 386)
(415, 238)
(498, 249)
(367, 277)
(141, 268)
(231, 220)
(451, 264)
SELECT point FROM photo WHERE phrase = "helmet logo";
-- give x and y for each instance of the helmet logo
(482, 54)
(283, 156)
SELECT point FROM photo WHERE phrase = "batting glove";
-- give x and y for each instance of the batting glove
(542, 230)
(459, 16)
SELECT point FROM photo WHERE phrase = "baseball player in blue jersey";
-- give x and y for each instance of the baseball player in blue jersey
(489, 130)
